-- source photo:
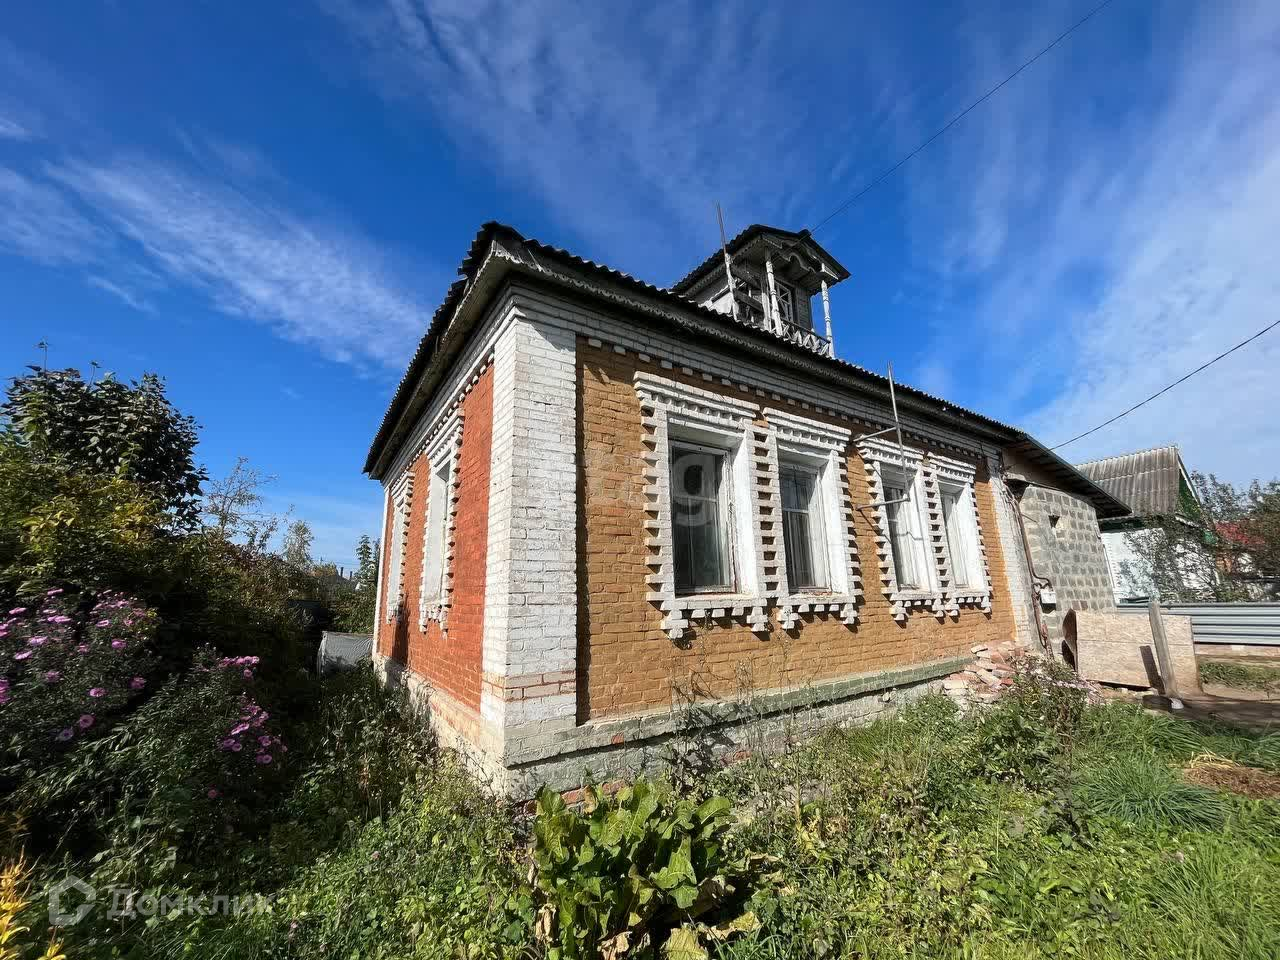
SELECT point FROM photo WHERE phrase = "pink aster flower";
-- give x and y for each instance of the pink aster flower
(85, 721)
(117, 644)
(17, 610)
(263, 758)
(97, 692)
(82, 648)
(213, 793)
(52, 676)
(238, 729)
(65, 734)
(37, 641)
(236, 746)
(103, 623)
(22, 654)
(137, 683)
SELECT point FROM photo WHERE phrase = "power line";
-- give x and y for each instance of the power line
(1202, 366)
(959, 116)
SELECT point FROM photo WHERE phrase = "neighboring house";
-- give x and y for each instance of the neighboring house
(1157, 488)
(604, 499)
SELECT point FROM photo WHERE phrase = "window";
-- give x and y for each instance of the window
(962, 536)
(433, 544)
(786, 302)
(910, 559)
(700, 518)
(803, 535)
(400, 499)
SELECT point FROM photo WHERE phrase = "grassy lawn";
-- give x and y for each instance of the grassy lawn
(1241, 676)
(1044, 827)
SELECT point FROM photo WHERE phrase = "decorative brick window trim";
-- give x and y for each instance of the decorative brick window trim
(963, 475)
(666, 403)
(444, 443)
(877, 455)
(815, 440)
(401, 503)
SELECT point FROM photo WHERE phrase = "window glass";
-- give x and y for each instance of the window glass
(433, 543)
(699, 509)
(802, 530)
(961, 543)
(907, 562)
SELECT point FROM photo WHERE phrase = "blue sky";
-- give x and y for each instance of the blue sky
(264, 203)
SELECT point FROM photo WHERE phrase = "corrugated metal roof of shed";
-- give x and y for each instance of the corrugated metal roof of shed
(1149, 481)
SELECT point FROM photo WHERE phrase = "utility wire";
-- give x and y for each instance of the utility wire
(959, 116)
(1202, 366)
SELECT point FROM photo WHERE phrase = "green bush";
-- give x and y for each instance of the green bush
(625, 874)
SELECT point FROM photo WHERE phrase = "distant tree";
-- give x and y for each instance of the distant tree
(296, 547)
(354, 611)
(1216, 549)
(364, 556)
(233, 506)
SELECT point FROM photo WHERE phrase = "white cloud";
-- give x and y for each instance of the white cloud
(629, 124)
(39, 222)
(135, 225)
(1100, 249)
(13, 130)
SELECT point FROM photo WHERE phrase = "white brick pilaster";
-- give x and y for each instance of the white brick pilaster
(530, 621)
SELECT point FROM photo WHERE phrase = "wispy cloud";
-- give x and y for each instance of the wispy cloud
(318, 283)
(39, 222)
(1093, 254)
(629, 122)
(13, 130)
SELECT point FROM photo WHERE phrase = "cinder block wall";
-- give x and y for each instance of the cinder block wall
(1069, 552)
(627, 665)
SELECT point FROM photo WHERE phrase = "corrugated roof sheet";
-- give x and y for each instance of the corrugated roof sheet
(1149, 481)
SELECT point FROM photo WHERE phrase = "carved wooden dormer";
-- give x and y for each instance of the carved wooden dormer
(776, 276)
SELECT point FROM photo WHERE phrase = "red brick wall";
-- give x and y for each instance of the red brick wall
(627, 664)
(450, 661)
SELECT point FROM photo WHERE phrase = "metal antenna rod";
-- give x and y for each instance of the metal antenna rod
(728, 264)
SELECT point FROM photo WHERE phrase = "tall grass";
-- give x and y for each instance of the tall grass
(1143, 789)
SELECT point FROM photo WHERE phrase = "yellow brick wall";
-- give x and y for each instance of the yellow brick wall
(626, 664)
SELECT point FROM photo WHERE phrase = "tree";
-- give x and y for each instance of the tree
(296, 548)
(109, 428)
(233, 506)
(354, 610)
(1216, 549)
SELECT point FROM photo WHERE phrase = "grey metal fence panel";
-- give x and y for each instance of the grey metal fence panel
(1245, 624)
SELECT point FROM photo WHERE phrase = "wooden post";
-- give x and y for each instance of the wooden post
(773, 295)
(1168, 685)
(826, 315)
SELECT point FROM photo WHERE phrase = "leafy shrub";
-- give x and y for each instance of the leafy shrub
(435, 879)
(1143, 789)
(1031, 732)
(617, 878)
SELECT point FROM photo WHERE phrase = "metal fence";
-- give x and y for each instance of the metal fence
(1243, 624)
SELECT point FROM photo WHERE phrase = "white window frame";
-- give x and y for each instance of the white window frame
(435, 590)
(823, 448)
(401, 503)
(957, 475)
(815, 514)
(786, 302)
(725, 507)
(676, 412)
(886, 461)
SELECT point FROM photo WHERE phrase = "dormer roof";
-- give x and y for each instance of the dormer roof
(764, 239)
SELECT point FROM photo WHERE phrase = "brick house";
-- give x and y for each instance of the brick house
(604, 500)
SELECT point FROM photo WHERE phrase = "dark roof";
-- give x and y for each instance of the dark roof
(1149, 481)
(741, 240)
(420, 364)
